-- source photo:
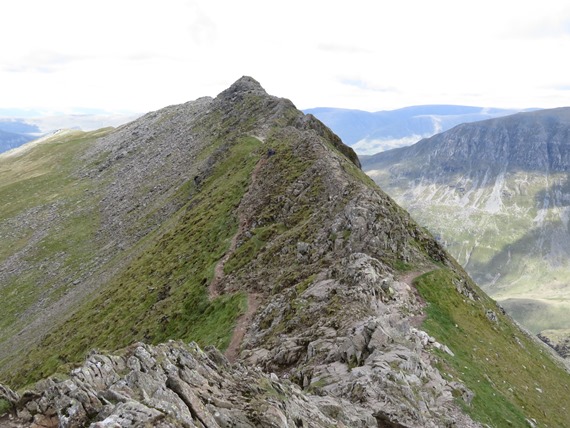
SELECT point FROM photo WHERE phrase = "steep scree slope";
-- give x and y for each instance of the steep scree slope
(248, 194)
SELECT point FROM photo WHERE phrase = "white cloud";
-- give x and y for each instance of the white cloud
(38, 61)
(142, 55)
(371, 147)
(343, 49)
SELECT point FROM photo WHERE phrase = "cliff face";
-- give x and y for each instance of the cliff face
(240, 222)
(496, 194)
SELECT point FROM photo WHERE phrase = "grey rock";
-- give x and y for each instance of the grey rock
(491, 316)
(8, 395)
(176, 385)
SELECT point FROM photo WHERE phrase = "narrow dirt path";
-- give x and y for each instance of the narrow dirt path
(253, 299)
(409, 277)
(243, 322)
(219, 274)
(213, 289)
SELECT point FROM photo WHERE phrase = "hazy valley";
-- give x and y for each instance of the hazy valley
(372, 132)
(19, 127)
(496, 194)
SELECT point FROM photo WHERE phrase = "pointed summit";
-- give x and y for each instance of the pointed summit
(243, 85)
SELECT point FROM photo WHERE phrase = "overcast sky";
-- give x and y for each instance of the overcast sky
(139, 55)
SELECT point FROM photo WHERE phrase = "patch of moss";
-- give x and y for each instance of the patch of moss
(317, 386)
(252, 246)
(5, 406)
(269, 390)
(303, 285)
(403, 266)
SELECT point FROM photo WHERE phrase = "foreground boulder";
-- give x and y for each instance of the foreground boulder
(176, 385)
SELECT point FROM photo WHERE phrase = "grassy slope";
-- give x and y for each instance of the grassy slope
(512, 377)
(42, 182)
(162, 294)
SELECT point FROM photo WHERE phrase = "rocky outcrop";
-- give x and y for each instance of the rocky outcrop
(176, 385)
(559, 340)
(358, 337)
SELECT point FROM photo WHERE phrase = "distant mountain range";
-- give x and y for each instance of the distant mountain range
(372, 132)
(367, 133)
(497, 194)
(10, 140)
(15, 130)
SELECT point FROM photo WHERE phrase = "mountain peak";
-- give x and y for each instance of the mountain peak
(244, 84)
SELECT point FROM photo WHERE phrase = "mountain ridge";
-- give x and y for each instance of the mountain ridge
(362, 318)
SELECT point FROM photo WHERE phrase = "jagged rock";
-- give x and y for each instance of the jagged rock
(491, 316)
(8, 395)
(373, 356)
(174, 385)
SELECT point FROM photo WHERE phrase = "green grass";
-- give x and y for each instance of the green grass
(5, 406)
(246, 252)
(504, 368)
(40, 177)
(402, 266)
(42, 183)
(163, 294)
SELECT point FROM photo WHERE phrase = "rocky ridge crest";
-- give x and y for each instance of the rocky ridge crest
(337, 337)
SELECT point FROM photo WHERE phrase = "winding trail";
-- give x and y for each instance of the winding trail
(253, 299)
(408, 278)
(243, 322)
(213, 289)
